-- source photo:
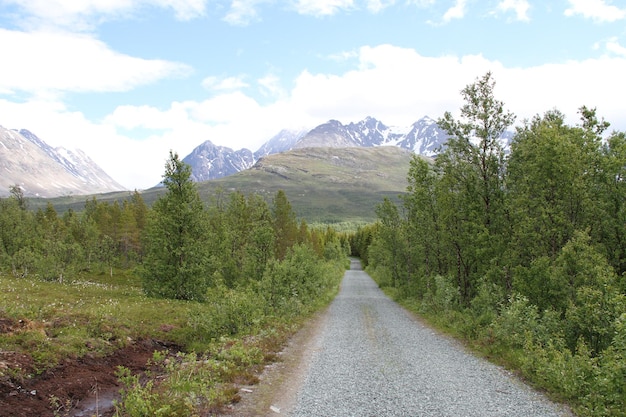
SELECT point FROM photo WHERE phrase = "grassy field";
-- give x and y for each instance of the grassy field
(94, 314)
(62, 342)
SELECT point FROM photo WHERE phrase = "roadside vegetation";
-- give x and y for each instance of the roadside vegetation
(218, 287)
(523, 254)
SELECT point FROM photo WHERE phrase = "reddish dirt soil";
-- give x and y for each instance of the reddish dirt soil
(82, 387)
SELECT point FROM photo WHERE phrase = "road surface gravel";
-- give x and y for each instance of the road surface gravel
(370, 357)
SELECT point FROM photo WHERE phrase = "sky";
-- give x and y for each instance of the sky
(126, 81)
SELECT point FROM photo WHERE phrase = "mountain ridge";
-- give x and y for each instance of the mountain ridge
(423, 137)
(41, 170)
(323, 185)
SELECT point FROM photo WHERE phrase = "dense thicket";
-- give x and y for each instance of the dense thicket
(47, 246)
(233, 277)
(523, 252)
(180, 247)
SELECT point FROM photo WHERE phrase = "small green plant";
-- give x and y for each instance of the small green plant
(60, 408)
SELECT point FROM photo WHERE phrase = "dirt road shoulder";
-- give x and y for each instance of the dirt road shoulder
(277, 390)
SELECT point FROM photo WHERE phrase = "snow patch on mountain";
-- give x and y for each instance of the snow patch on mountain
(209, 161)
(424, 137)
(44, 171)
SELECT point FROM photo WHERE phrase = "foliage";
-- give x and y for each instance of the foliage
(523, 254)
(175, 262)
(77, 283)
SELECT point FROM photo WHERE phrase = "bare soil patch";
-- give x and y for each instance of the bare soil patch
(78, 387)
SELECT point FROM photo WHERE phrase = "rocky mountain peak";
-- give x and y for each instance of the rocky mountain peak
(209, 161)
(44, 171)
(424, 137)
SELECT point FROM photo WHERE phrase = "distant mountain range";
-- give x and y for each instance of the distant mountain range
(423, 137)
(43, 171)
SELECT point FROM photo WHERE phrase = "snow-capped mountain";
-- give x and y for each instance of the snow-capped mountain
(285, 140)
(209, 161)
(331, 134)
(44, 171)
(423, 137)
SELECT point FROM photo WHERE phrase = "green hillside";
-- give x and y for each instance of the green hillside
(325, 185)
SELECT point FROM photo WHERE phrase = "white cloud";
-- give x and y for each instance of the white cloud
(455, 12)
(376, 6)
(270, 86)
(613, 46)
(597, 10)
(228, 83)
(84, 14)
(72, 62)
(322, 7)
(519, 7)
(242, 12)
(396, 85)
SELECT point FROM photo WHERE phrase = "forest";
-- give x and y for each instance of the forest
(222, 284)
(520, 253)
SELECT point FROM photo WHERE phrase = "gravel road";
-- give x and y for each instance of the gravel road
(372, 358)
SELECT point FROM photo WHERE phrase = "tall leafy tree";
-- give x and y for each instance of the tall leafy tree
(550, 183)
(613, 232)
(473, 167)
(175, 262)
(391, 242)
(424, 222)
(475, 143)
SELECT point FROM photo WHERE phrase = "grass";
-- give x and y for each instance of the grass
(87, 315)
(325, 185)
(96, 314)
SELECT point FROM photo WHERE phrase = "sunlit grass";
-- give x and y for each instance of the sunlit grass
(55, 321)
(224, 343)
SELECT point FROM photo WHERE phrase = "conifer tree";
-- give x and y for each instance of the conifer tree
(285, 224)
(175, 263)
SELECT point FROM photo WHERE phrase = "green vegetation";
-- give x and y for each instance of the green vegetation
(323, 185)
(176, 243)
(523, 255)
(222, 285)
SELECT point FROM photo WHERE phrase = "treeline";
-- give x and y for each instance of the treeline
(43, 244)
(522, 253)
(239, 241)
(181, 248)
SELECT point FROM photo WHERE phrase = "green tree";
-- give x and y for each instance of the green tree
(472, 168)
(550, 183)
(17, 237)
(483, 119)
(285, 224)
(611, 231)
(392, 245)
(175, 262)
(18, 194)
(424, 222)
